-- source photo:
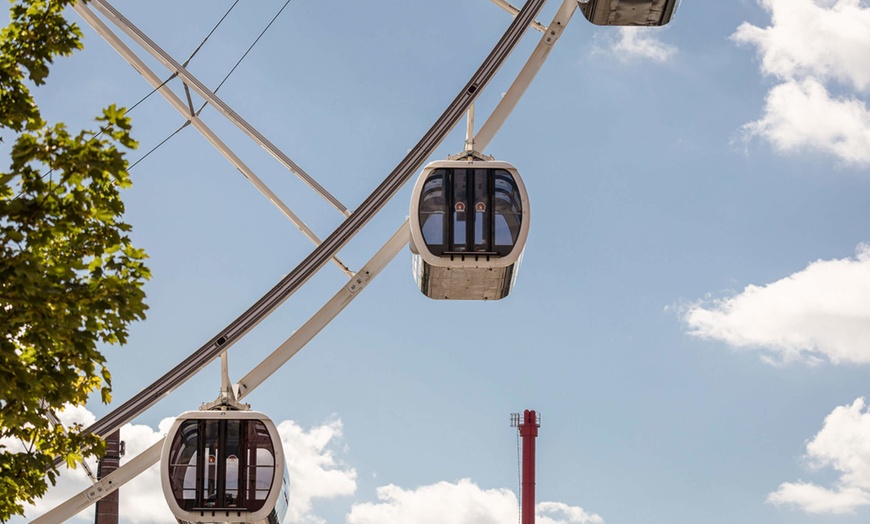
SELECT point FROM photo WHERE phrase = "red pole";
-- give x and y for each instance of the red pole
(529, 432)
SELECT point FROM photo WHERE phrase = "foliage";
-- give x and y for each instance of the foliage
(70, 279)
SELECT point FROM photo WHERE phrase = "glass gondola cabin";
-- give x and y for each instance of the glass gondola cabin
(224, 466)
(629, 12)
(469, 223)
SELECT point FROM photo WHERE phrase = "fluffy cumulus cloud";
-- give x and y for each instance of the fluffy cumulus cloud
(462, 502)
(814, 47)
(628, 44)
(458, 503)
(147, 506)
(70, 482)
(315, 473)
(313, 469)
(821, 313)
(641, 43)
(843, 444)
(559, 513)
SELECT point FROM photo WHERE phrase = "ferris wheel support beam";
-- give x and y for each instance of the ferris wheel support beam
(84, 11)
(524, 79)
(324, 316)
(288, 285)
(173, 65)
(249, 382)
(103, 487)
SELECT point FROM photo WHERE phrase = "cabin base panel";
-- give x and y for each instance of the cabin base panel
(629, 12)
(465, 283)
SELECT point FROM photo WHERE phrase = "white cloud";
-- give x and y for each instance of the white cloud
(69, 483)
(813, 46)
(817, 314)
(76, 415)
(816, 499)
(314, 471)
(823, 39)
(802, 115)
(148, 504)
(559, 513)
(462, 502)
(635, 43)
(641, 42)
(843, 444)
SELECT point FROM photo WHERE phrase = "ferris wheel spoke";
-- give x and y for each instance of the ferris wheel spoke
(209, 96)
(186, 111)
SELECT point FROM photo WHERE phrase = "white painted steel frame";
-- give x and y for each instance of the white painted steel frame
(84, 11)
(330, 310)
(298, 276)
(130, 470)
(507, 6)
(154, 50)
(290, 283)
(524, 79)
(111, 482)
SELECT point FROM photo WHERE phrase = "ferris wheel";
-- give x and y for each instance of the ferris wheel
(467, 228)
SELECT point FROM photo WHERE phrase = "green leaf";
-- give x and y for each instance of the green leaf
(70, 279)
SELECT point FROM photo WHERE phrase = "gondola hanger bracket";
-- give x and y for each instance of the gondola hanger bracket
(358, 282)
(471, 156)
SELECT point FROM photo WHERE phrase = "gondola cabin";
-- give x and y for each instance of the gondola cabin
(629, 12)
(224, 466)
(469, 223)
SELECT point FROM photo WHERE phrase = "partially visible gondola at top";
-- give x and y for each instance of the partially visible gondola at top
(629, 12)
(224, 467)
(469, 223)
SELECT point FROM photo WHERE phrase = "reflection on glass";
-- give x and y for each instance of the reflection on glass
(182, 464)
(261, 465)
(238, 469)
(476, 210)
(231, 458)
(432, 209)
(460, 206)
(508, 211)
(481, 210)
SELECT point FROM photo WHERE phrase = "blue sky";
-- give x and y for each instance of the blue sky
(693, 312)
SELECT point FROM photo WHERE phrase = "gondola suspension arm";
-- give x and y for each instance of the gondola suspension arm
(531, 68)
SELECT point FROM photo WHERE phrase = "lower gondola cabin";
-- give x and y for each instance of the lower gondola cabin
(469, 223)
(224, 467)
